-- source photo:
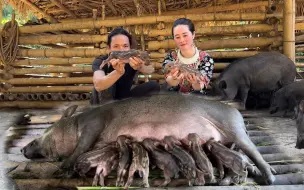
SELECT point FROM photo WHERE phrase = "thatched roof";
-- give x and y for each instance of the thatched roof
(68, 9)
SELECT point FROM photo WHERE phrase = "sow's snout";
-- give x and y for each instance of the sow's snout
(32, 151)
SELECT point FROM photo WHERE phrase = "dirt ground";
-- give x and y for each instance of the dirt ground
(282, 129)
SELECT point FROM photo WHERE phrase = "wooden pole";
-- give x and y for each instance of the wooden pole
(219, 44)
(220, 8)
(144, 20)
(288, 29)
(73, 52)
(84, 69)
(39, 104)
(209, 9)
(87, 88)
(63, 38)
(44, 81)
(219, 30)
(215, 54)
(53, 61)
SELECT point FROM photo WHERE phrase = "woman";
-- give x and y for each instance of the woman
(114, 81)
(183, 32)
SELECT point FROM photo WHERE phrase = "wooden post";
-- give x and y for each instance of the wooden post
(289, 29)
(1, 7)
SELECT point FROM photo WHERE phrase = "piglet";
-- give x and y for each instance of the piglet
(125, 157)
(140, 162)
(236, 161)
(105, 159)
(184, 159)
(200, 158)
(162, 159)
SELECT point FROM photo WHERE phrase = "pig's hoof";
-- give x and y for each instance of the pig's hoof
(225, 182)
(269, 176)
(66, 164)
(59, 174)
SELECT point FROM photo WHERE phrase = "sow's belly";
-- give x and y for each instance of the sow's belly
(159, 127)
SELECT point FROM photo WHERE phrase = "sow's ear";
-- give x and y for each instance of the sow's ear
(69, 111)
(222, 84)
(301, 106)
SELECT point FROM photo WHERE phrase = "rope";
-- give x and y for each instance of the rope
(9, 41)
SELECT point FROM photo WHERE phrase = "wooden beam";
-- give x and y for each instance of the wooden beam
(63, 38)
(34, 7)
(86, 88)
(86, 6)
(152, 19)
(220, 8)
(73, 52)
(111, 6)
(289, 28)
(53, 61)
(61, 6)
(163, 3)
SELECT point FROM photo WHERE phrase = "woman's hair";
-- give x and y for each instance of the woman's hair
(119, 31)
(183, 21)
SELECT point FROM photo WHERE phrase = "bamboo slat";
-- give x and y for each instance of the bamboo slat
(300, 38)
(219, 44)
(39, 81)
(155, 76)
(289, 28)
(215, 54)
(209, 9)
(53, 61)
(65, 9)
(219, 8)
(84, 69)
(73, 52)
(299, 49)
(218, 30)
(144, 20)
(35, 8)
(300, 65)
(87, 88)
(62, 38)
(39, 104)
(96, 52)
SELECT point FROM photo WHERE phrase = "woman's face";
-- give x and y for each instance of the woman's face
(183, 37)
(120, 42)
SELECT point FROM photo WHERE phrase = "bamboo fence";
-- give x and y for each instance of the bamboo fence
(64, 68)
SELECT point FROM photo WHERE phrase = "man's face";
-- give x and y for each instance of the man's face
(119, 43)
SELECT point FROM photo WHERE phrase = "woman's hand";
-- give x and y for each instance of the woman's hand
(176, 74)
(192, 78)
(118, 65)
(136, 63)
(194, 81)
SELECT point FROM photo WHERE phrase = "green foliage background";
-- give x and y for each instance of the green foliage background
(7, 12)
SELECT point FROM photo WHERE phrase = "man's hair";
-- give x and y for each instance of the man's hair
(119, 31)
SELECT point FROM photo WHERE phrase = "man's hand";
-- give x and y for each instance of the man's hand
(118, 65)
(136, 63)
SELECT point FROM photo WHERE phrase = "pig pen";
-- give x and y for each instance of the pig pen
(275, 138)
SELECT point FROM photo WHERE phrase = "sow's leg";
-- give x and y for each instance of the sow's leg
(251, 151)
(91, 132)
(236, 131)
